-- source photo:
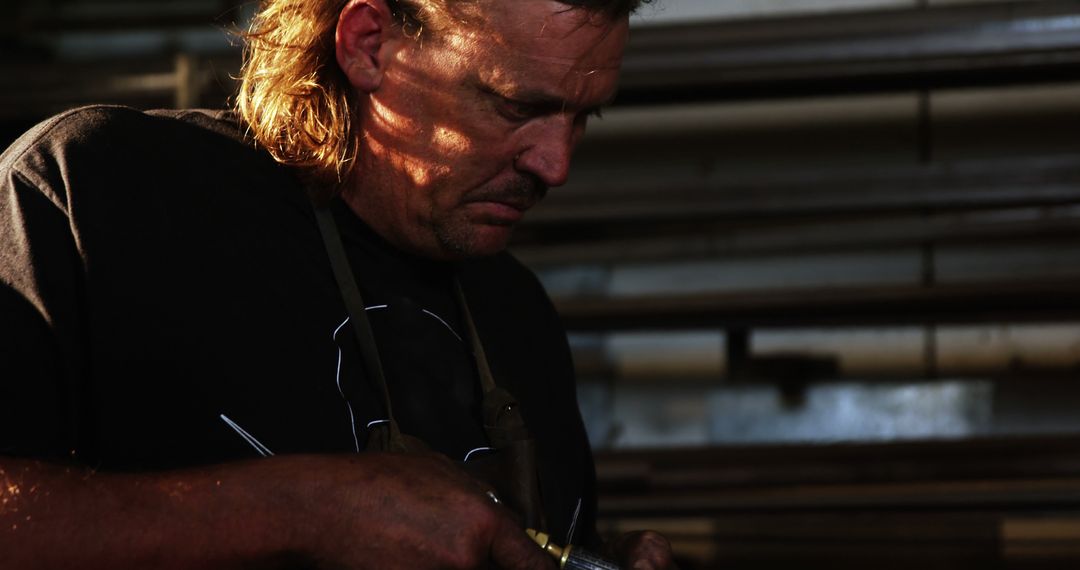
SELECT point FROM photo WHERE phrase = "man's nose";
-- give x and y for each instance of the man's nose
(548, 153)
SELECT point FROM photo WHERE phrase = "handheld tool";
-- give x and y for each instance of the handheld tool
(570, 557)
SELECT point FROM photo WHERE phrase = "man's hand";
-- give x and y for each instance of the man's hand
(389, 511)
(642, 550)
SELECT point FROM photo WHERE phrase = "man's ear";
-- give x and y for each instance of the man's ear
(363, 42)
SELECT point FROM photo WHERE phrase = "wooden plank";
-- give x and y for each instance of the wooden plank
(990, 302)
(1018, 493)
(875, 50)
(686, 194)
(735, 467)
(568, 244)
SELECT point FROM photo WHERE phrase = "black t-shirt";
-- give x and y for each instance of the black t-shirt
(166, 301)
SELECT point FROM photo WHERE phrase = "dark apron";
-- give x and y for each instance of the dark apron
(510, 468)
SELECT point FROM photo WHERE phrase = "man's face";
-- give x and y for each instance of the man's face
(472, 124)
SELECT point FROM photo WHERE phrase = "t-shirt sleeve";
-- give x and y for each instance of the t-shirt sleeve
(40, 276)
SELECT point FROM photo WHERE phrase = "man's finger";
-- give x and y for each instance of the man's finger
(645, 550)
(512, 549)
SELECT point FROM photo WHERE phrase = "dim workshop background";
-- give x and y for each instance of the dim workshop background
(820, 263)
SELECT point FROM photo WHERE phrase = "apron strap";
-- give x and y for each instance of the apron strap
(354, 305)
(487, 380)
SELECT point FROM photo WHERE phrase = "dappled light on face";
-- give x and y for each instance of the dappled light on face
(450, 106)
(420, 172)
(447, 140)
(454, 45)
(390, 119)
(422, 150)
(499, 76)
(9, 494)
(576, 53)
(469, 125)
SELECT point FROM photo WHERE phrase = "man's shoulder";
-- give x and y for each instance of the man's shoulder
(89, 130)
(213, 122)
(88, 125)
(115, 142)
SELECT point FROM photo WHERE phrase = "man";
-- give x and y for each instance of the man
(182, 381)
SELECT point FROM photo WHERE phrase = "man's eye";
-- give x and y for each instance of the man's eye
(518, 110)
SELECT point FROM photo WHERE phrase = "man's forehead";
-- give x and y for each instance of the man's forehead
(567, 87)
(563, 31)
(542, 30)
(542, 46)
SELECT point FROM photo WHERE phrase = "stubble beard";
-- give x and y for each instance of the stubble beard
(457, 239)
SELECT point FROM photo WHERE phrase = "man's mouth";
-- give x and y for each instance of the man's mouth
(499, 212)
(506, 206)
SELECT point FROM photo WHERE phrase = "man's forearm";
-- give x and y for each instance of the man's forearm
(66, 517)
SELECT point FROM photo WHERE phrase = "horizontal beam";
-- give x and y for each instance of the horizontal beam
(1019, 301)
(650, 242)
(634, 471)
(1023, 493)
(882, 50)
(979, 473)
(684, 196)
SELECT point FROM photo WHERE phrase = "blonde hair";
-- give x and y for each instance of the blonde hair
(293, 97)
